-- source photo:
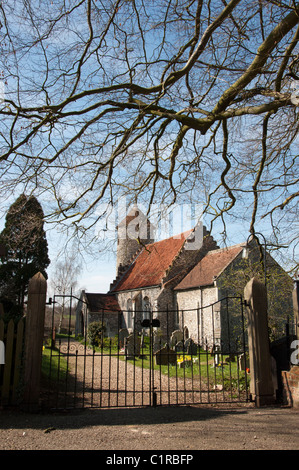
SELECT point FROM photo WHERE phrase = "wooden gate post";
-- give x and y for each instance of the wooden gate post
(261, 384)
(35, 320)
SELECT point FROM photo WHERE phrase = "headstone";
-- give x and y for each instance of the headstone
(122, 335)
(132, 345)
(166, 356)
(176, 337)
(157, 343)
(191, 347)
(179, 347)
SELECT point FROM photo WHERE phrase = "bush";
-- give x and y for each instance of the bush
(95, 333)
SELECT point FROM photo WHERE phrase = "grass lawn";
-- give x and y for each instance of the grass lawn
(54, 365)
(200, 367)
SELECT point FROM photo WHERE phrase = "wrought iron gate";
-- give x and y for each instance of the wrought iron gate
(202, 360)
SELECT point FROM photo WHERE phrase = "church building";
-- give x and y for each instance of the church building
(178, 281)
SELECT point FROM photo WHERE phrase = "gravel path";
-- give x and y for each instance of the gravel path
(101, 380)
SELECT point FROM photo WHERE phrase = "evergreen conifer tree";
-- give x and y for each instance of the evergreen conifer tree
(26, 251)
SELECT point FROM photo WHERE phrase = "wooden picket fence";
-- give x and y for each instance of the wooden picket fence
(20, 375)
(12, 335)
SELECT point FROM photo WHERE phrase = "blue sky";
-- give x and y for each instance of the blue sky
(99, 265)
(99, 268)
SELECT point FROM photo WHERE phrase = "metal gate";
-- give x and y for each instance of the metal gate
(183, 357)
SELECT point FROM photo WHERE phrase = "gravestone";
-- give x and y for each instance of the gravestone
(165, 356)
(132, 345)
(122, 335)
(191, 347)
(179, 347)
(157, 343)
(176, 336)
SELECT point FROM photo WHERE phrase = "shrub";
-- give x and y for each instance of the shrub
(95, 333)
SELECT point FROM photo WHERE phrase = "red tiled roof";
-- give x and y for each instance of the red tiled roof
(99, 302)
(150, 266)
(209, 267)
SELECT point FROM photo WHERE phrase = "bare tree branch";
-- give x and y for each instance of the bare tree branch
(157, 101)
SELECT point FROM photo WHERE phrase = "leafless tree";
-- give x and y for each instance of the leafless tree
(65, 281)
(161, 100)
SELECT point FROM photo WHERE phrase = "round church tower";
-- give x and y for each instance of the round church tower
(133, 233)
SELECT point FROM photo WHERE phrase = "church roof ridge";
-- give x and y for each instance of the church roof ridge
(151, 263)
(210, 267)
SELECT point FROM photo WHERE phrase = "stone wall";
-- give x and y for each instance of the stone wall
(139, 301)
(198, 315)
(163, 299)
(111, 320)
(167, 314)
(162, 304)
(168, 302)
